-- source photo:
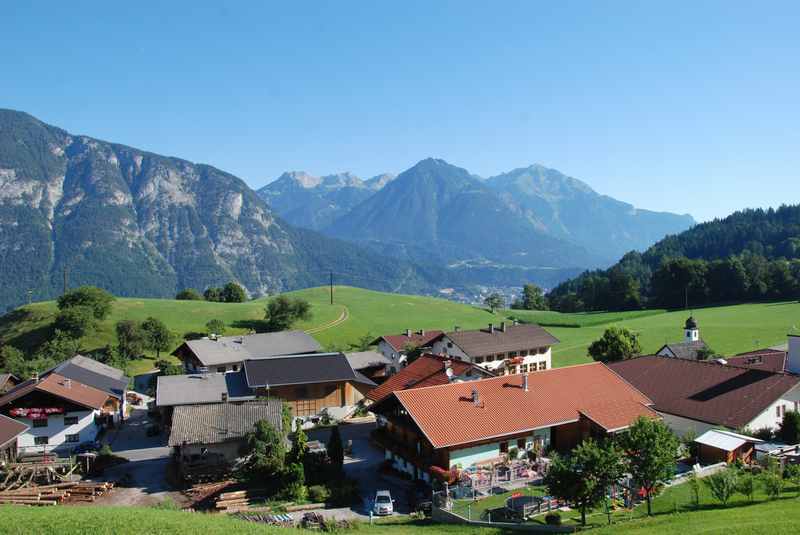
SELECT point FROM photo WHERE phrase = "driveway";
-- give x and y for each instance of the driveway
(363, 465)
(144, 477)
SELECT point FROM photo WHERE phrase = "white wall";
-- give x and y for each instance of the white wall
(440, 347)
(57, 432)
(390, 353)
(769, 417)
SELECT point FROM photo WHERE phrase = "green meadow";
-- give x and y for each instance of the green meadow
(357, 312)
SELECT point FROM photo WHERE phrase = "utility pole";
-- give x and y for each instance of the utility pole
(65, 280)
(30, 296)
(331, 287)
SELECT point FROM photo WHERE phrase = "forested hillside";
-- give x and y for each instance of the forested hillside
(749, 255)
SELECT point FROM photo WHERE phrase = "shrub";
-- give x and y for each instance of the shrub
(773, 484)
(722, 484)
(747, 485)
(552, 519)
(343, 492)
(318, 493)
(105, 451)
(189, 294)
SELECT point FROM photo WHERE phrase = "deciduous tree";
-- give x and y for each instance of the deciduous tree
(96, 299)
(494, 301)
(617, 343)
(651, 451)
(282, 312)
(157, 336)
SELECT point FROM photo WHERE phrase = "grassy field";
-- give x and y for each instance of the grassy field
(728, 329)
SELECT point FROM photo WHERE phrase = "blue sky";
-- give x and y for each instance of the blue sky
(682, 106)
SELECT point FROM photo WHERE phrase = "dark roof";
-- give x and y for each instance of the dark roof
(414, 339)
(361, 360)
(227, 349)
(718, 394)
(685, 350)
(773, 360)
(221, 422)
(691, 323)
(427, 370)
(301, 369)
(514, 338)
(95, 374)
(10, 429)
(201, 388)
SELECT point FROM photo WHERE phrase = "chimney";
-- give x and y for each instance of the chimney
(224, 397)
(422, 332)
(67, 383)
(491, 328)
(525, 382)
(503, 326)
(475, 397)
(408, 332)
(793, 356)
(35, 377)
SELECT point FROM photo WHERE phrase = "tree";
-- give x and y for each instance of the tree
(706, 353)
(266, 453)
(494, 301)
(156, 335)
(747, 485)
(364, 341)
(60, 346)
(722, 484)
(96, 299)
(167, 367)
(773, 484)
(233, 293)
(131, 340)
(583, 478)
(294, 479)
(532, 298)
(651, 451)
(617, 343)
(336, 449)
(299, 444)
(12, 361)
(694, 488)
(282, 312)
(189, 294)
(792, 473)
(215, 327)
(789, 431)
(76, 322)
(213, 294)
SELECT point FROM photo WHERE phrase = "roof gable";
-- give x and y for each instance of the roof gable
(10, 429)
(63, 387)
(419, 339)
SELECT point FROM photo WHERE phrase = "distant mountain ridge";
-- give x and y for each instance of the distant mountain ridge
(314, 202)
(145, 225)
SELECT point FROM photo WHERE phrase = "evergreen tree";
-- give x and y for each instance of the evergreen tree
(336, 449)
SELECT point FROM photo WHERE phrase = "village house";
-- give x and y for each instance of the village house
(721, 446)
(7, 382)
(211, 434)
(310, 384)
(372, 364)
(477, 422)
(100, 376)
(689, 347)
(60, 413)
(703, 395)
(503, 349)
(223, 354)
(10, 429)
(200, 389)
(396, 347)
(429, 370)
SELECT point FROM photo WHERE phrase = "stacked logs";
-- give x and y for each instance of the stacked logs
(59, 493)
(239, 500)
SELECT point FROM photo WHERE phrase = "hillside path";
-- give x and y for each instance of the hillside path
(341, 319)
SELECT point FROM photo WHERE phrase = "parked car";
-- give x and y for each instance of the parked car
(86, 447)
(384, 504)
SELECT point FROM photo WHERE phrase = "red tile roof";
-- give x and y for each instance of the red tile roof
(427, 370)
(448, 417)
(400, 341)
(706, 391)
(62, 387)
(10, 429)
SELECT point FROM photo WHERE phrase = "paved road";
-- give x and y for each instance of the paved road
(146, 471)
(363, 465)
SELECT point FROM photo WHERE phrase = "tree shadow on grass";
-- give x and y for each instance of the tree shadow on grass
(29, 339)
(259, 326)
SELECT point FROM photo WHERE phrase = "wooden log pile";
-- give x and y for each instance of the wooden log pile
(59, 493)
(239, 500)
(204, 495)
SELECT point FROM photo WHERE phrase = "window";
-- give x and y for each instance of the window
(41, 441)
(777, 413)
(504, 447)
(40, 422)
(523, 368)
(478, 360)
(512, 370)
(235, 367)
(521, 443)
(512, 354)
(523, 353)
(450, 345)
(543, 365)
(70, 420)
(72, 438)
(221, 369)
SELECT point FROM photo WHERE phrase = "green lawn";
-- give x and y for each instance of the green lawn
(729, 329)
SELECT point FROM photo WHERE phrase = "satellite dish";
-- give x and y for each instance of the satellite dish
(449, 372)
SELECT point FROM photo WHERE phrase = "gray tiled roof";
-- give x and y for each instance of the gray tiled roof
(301, 369)
(220, 422)
(95, 374)
(516, 337)
(201, 388)
(366, 359)
(685, 350)
(227, 349)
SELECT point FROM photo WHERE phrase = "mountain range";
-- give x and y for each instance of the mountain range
(140, 224)
(531, 218)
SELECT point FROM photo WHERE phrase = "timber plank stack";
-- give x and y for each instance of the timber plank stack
(239, 500)
(59, 493)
